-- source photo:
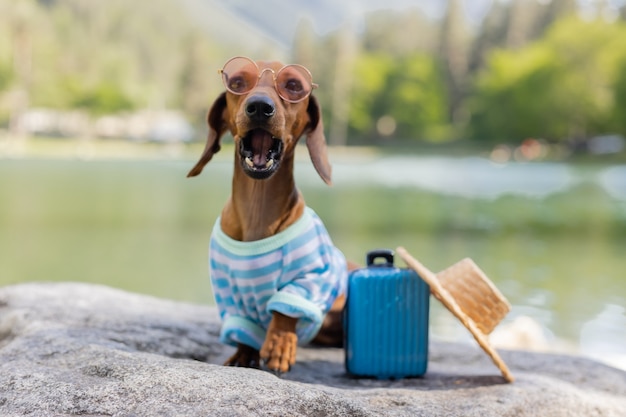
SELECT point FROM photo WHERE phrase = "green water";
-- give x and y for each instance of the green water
(554, 241)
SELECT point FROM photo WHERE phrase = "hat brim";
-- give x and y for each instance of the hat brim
(449, 302)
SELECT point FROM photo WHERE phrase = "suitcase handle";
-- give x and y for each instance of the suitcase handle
(387, 254)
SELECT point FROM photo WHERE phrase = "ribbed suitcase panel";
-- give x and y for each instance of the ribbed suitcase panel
(387, 323)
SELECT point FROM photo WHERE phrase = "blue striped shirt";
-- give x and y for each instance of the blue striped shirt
(297, 272)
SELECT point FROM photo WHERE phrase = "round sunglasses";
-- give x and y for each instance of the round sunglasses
(293, 82)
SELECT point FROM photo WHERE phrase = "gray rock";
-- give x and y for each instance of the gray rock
(79, 349)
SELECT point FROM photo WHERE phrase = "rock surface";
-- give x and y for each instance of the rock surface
(79, 349)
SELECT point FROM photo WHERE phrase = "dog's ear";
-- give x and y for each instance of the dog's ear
(217, 127)
(316, 142)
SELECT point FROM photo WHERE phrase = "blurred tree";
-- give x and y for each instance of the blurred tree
(558, 88)
(371, 73)
(523, 23)
(103, 98)
(347, 51)
(404, 97)
(22, 18)
(490, 35)
(400, 33)
(509, 103)
(6, 75)
(195, 83)
(618, 119)
(103, 56)
(319, 55)
(304, 45)
(6, 79)
(516, 23)
(557, 9)
(387, 36)
(416, 99)
(454, 53)
(531, 69)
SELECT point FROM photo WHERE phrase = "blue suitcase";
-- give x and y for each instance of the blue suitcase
(386, 320)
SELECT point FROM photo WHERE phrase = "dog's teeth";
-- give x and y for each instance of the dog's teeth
(269, 163)
(249, 162)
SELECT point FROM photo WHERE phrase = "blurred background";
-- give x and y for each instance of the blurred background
(481, 128)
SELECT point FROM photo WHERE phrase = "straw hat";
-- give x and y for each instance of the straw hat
(467, 292)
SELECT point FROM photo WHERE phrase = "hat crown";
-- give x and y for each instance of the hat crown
(475, 294)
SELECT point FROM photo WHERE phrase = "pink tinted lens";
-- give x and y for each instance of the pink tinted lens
(293, 83)
(240, 75)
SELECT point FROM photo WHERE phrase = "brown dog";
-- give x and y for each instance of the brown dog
(276, 276)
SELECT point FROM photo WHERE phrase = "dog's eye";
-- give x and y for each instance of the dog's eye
(293, 85)
(237, 84)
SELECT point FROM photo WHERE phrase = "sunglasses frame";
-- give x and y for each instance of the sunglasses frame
(274, 78)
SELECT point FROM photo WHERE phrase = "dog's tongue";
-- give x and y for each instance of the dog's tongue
(261, 143)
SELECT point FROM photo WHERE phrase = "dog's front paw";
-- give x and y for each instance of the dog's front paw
(279, 351)
(245, 357)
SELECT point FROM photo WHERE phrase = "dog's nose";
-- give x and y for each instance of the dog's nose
(260, 108)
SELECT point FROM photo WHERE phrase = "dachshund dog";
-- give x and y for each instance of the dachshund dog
(277, 278)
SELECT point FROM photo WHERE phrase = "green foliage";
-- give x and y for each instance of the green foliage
(506, 95)
(106, 97)
(618, 117)
(101, 56)
(370, 80)
(416, 97)
(194, 84)
(6, 75)
(532, 69)
(560, 87)
(409, 90)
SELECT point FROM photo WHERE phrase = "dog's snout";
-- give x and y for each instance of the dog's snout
(260, 108)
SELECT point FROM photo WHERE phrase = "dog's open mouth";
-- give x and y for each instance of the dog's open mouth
(260, 153)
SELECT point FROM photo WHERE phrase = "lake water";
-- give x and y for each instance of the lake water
(552, 236)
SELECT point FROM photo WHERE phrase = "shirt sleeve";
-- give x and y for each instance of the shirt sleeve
(237, 329)
(312, 292)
